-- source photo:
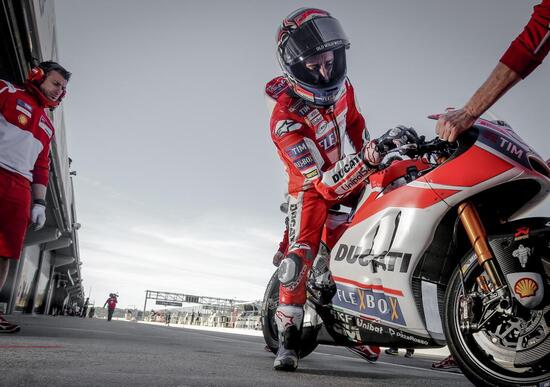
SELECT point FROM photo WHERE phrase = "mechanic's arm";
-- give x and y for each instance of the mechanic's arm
(451, 124)
(39, 192)
(39, 188)
(525, 53)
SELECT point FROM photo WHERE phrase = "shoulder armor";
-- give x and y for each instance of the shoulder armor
(276, 87)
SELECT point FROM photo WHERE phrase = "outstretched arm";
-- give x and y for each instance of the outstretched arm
(451, 124)
(525, 53)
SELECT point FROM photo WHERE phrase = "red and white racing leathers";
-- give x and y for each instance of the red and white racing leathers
(25, 135)
(310, 142)
(530, 48)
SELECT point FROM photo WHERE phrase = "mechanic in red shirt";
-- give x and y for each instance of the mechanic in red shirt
(313, 110)
(25, 135)
(525, 53)
(111, 305)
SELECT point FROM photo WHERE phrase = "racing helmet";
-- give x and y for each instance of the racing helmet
(303, 34)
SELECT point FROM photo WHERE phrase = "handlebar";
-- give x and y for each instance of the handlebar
(420, 148)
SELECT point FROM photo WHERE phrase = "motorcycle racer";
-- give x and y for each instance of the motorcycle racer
(314, 110)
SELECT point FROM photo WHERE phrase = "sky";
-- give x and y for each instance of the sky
(178, 183)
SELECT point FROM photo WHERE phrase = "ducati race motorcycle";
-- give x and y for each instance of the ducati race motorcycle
(434, 254)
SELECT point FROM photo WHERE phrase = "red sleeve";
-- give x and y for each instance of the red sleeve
(530, 48)
(42, 167)
(356, 129)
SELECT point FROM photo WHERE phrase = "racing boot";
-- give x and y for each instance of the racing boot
(321, 283)
(289, 324)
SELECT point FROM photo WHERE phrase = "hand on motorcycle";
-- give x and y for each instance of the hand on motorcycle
(397, 137)
(451, 124)
(370, 154)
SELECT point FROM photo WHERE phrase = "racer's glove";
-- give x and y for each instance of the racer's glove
(397, 137)
(38, 216)
(370, 154)
(277, 258)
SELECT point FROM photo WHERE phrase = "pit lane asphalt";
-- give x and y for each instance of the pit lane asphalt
(69, 351)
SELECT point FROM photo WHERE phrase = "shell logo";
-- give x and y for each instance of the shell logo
(23, 120)
(526, 287)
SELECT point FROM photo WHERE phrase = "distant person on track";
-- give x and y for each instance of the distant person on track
(111, 305)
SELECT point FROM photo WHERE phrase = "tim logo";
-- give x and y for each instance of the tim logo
(297, 150)
(511, 148)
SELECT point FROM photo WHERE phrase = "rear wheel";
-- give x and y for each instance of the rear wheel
(269, 327)
(487, 356)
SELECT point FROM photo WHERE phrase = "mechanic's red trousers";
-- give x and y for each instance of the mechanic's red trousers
(15, 203)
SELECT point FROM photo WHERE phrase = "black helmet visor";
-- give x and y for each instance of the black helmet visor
(313, 37)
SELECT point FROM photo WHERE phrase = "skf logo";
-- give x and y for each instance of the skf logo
(526, 287)
(521, 233)
(23, 120)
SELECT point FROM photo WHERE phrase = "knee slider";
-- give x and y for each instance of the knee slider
(289, 270)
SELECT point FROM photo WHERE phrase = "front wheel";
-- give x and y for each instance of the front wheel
(270, 303)
(487, 355)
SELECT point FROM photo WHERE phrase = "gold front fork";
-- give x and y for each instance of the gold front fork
(478, 238)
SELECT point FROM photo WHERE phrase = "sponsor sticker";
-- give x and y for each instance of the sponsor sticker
(372, 303)
(526, 287)
(522, 253)
(305, 162)
(286, 126)
(43, 124)
(24, 107)
(521, 233)
(312, 174)
(22, 119)
(329, 141)
(395, 261)
(297, 150)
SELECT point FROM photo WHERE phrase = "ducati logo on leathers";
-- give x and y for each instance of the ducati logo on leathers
(348, 167)
(293, 213)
